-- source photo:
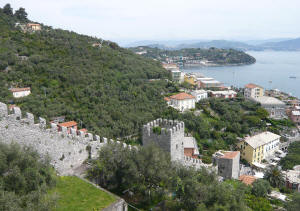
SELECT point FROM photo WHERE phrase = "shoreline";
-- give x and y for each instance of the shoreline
(191, 66)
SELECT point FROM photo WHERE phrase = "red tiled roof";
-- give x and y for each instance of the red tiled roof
(230, 155)
(20, 89)
(251, 86)
(182, 96)
(83, 130)
(167, 99)
(68, 124)
(247, 179)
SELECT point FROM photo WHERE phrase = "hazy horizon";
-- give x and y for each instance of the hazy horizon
(130, 21)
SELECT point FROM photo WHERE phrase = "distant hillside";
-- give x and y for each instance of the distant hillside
(279, 44)
(217, 44)
(196, 56)
(287, 45)
(106, 88)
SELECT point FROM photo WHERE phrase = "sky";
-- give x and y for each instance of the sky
(133, 20)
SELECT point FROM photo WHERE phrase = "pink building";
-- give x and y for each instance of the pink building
(295, 116)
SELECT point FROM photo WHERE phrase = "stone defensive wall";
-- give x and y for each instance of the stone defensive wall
(67, 151)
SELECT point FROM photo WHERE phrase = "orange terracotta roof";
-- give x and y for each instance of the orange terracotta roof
(251, 86)
(182, 96)
(167, 99)
(20, 89)
(247, 179)
(83, 130)
(230, 155)
(68, 124)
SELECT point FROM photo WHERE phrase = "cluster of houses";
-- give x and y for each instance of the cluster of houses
(198, 81)
(270, 100)
(278, 109)
(294, 112)
(261, 151)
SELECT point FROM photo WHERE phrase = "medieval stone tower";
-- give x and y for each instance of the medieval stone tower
(168, 135)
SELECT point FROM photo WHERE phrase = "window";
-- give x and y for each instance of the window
(176, 146)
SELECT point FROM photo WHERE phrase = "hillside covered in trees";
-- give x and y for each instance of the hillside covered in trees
(106, 88)
(192, 56)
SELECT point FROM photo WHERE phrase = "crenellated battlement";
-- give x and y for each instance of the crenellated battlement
(67, 149)
(196, 163)
(168, 127)
(167, 134)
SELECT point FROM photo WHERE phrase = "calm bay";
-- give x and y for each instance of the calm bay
(272, 70)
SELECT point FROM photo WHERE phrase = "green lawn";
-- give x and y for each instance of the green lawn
(76, 194)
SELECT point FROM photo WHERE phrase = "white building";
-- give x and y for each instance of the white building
(20, 92)
(199, 94)
(226, 94)
(272, 143)
(182, 101)
(253, 91)
(177, 75)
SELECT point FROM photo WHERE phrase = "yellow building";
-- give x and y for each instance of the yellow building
(256, 148)
(191, 79)
(253, 91)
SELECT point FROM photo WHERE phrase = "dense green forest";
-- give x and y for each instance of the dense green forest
(107, 88)
(24, 180)
(214, 55)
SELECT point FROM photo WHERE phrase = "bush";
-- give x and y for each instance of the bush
(260, 188)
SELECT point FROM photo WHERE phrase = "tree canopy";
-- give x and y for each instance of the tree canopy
(24, 179)
(145, 177)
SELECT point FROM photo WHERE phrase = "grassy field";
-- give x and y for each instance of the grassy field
(77, 195)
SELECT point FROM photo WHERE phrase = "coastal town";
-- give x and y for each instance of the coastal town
(261, 150)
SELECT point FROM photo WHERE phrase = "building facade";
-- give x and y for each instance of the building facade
(182, 101)
(295, 117)
(34, 26)
(177, 75)
(227, 94)
(20, 92)
(199, 94)
(228, 163)
(69, 125)
(258, 147)
(210, 84)
(253, 91)
(275, 107)
(293, 180)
